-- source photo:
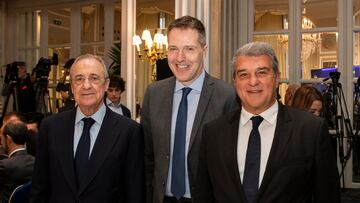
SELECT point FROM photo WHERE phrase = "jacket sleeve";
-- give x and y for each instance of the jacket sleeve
(40, 187)
(326, 177)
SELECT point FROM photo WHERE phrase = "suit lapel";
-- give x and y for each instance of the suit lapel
(106, 137)
(283, 132)
(166, 109)
(204, 100)
(234, 126)
(65, 139)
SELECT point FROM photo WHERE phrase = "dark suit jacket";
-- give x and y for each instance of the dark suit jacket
(301, 166)
(217, 97)
(116, 172)
(126, 111)
(14, 171)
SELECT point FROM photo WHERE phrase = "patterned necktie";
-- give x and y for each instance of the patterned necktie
(252, 163)
(178, 162)
(83, 150)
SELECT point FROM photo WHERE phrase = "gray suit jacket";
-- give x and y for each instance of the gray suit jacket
(14, 171)
(217, 98)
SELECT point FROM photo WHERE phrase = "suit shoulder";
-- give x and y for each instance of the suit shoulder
(299, 115)
(161, 83)
(221, 86)
(56, 118)
(125, 121)
(226, 118)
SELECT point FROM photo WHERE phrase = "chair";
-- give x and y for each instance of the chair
(21, 194)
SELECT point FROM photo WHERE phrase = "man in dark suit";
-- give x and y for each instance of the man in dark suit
(172, 134)
(89, 154)
(113, 96)
(18, 167)
(266, 152)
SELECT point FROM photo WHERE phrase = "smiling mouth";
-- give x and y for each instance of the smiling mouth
(182, 66)
(254, 91)
(89, 94)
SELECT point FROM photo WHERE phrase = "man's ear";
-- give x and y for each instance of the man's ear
(8, 139)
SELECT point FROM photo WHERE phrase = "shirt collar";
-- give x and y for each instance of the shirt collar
(195, 86)
(269, 114)
(97, 116)
(16, 150)
(109, 103)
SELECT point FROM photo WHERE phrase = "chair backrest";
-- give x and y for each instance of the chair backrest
(21, 194)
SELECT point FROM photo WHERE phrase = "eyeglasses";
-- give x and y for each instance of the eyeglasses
(93, 79)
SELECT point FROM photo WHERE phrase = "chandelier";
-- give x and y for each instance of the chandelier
(152, 49)
(310, 42)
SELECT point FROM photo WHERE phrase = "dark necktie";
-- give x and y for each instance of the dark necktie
(252, 163)
(82, 151)
(178, 162)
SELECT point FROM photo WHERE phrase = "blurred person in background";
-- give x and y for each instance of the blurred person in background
(308, 99)
(113, 96)
(289, 94)
(63, 87)
(18, 167)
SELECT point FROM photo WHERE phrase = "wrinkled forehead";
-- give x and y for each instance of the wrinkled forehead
(87, 66)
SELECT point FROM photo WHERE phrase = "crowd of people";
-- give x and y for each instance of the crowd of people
(200, 140)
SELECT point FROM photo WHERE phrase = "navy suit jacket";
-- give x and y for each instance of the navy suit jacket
(301, 166)
(116, 172)
(14, 171)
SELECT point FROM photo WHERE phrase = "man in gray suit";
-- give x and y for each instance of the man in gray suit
(174, 111)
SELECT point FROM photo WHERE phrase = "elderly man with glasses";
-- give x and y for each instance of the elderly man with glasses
(89, 154)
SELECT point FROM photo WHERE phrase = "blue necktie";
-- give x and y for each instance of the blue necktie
(83, 150)
(252, 163)
(178, 162)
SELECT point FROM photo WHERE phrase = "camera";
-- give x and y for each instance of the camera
(12, 69)
(43, 66)
(335, 76)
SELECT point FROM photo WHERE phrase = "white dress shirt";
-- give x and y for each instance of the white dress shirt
(114, 107)
(266, 129)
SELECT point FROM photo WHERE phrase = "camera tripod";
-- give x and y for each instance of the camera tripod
(12, 91)
(342, 124)
(42, 97)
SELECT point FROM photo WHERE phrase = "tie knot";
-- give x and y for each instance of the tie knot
(88, 122)
(186, 91)
(256, 120)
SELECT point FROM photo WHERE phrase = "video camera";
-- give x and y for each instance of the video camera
(12, 69)
(43, 66)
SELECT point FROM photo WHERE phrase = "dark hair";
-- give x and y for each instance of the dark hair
(186, 22)
(17, 131)
(305, 96)
(117, 82)
(69, 63)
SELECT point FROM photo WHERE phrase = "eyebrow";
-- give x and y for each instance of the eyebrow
(258, 68)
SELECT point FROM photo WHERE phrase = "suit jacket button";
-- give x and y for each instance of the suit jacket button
(167, 157)
(163, 183)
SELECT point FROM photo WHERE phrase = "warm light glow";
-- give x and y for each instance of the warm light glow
(153, 48)
(146, 35)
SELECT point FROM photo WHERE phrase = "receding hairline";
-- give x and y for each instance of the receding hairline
(90, 57)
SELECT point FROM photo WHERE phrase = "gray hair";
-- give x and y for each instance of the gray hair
(257, 49)
(91, 56)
